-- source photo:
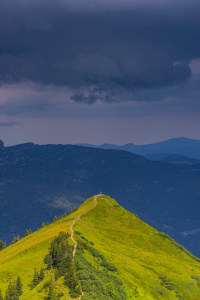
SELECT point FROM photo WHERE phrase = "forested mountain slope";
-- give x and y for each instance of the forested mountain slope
(38, 182)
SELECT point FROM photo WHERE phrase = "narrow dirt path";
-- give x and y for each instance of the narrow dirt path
(81, 295)
(72, 230)
(78, 218)
(72, 236)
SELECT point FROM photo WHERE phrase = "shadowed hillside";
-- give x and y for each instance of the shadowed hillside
(38, 182)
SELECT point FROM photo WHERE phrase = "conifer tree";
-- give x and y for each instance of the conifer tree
(48, 261)
(64, 215)
(19, 286)
(27, 232)
(35, 278)
(15, 239)
(41, 276)
(12, 293)
(71, 279)
(30, 231)
(6, 295)
(1, 297)
(52, 293)
(1, 245)
(55, 219)
(75, 208)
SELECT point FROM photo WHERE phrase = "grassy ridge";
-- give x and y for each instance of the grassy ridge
(140, 253)
(22, 257)
(150, 265)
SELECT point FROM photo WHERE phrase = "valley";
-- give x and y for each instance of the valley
(39, 182)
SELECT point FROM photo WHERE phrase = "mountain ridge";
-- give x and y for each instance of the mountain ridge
(176, 146)
(148, 263)
(38, 182)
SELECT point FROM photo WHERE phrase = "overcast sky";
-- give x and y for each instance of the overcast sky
(96, 71)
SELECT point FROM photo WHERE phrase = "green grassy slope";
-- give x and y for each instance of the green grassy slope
(150, 265)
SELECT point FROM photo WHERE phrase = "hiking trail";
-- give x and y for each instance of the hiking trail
(72, 230)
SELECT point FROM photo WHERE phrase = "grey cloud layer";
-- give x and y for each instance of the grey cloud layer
(99, 51)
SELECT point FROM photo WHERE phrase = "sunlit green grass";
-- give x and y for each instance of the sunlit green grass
(27, 254)
(139, 253)
(136, 249)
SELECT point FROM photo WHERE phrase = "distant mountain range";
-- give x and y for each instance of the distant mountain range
(118, 257)
(159, 151)
(178, 159)
(39, 182)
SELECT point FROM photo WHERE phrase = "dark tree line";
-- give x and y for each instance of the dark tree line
(52, 293)
(2, 246)
(37, 277)
(60, 257)
(29, 231)
(55, 219)
(13, 291)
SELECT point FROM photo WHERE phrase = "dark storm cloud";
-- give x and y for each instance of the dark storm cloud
(8, 123)
(99, 51)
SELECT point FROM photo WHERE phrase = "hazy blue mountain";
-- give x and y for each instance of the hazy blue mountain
(178, 159)
(179, 146)
(38, 182)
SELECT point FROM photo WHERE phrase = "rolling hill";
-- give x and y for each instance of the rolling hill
(118, 257)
